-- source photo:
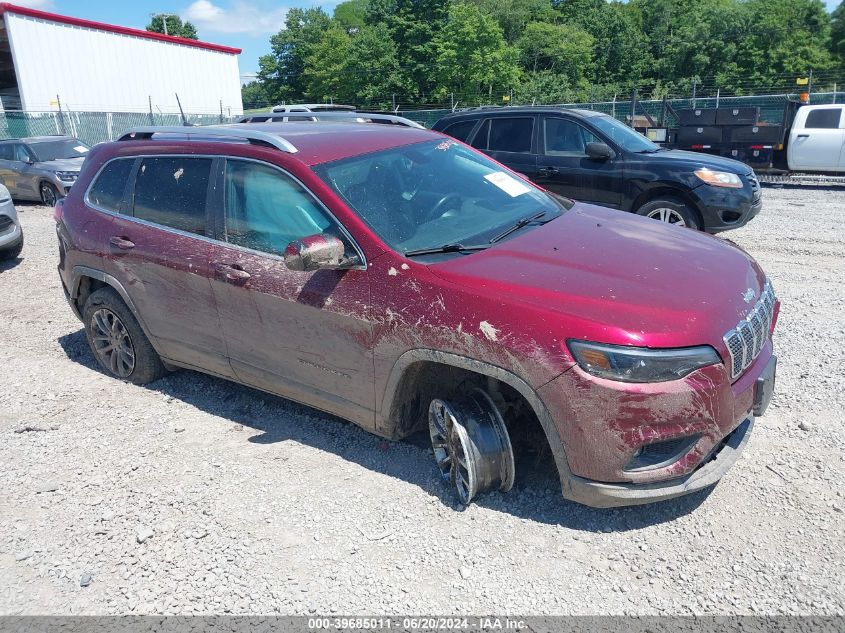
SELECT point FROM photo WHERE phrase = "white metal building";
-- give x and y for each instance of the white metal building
(48, 59)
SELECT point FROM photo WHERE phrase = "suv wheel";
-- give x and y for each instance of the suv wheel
(49, 194)
(671, 211)
(471, 445)
(12, 252)
(117, 341)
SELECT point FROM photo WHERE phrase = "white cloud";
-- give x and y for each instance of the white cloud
(43, 5)
(240, 17)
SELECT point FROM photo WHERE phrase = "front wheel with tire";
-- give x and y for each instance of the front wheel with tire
(49, 194)
(471, 445)
(671, 211)
(117, 340)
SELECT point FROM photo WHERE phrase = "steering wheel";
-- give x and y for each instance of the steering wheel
(439, 209)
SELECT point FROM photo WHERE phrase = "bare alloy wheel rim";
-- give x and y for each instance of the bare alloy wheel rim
(48, 195)
(112, 343)
(670, 216)
(471, 445)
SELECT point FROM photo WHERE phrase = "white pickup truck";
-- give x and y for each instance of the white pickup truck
(817, 139)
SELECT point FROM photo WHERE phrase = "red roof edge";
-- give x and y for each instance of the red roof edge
(123, 30)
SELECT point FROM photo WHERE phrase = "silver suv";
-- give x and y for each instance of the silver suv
(11, 235)
(41, 168)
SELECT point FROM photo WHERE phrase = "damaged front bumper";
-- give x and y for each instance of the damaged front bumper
(608, 495)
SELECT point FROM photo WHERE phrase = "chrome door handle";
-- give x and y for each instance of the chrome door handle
(232, 272)
(121, 242)
(548, 171)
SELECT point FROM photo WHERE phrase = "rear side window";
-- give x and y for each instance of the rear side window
(827, 118)
(266, 210)
(172, 191)
(6, 151)
(461, 129)
(107, 190)
(505, 135)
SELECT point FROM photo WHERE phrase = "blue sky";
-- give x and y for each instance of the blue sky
(245, 24)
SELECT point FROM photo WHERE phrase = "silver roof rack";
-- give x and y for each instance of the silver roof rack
(211, 132)
(318, 115)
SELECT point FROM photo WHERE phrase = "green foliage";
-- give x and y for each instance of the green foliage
(254, 95)
(472, 55)
(350, 15)
(837, 32)
(423, 51)
(175, 26)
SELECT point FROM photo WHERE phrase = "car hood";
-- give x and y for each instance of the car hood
(697, 159)
(62, 164)
(618, 278)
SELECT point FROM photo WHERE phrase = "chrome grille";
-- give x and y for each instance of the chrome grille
(745, 341)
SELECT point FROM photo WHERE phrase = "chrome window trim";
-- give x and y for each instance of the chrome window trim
(205, 238)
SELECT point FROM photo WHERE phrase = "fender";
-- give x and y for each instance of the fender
(85, 271)
(410, 357)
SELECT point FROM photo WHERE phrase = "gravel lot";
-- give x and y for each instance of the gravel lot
(195, 495)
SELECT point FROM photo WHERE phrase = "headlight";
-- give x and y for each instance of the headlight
(640, 364)
(67, 175)
(719, 178)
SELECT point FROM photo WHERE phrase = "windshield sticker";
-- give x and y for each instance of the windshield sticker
(445, 145)
(507, 183)
(80, 149)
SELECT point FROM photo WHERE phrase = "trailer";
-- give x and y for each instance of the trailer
(807, 147)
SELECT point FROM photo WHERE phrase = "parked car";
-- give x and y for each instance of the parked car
(592, 157)
(404, 281)
(11, 234)
(41, 168)
(358, 117)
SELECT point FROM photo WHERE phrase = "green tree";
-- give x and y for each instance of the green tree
(175, 26)
(620, 49)
(326, 65)
(254, 95)
(350, 15)
(837, 32)
(473, 58)
(561, 48)
(413, 26)
(282, 71)
(514, 15)
(373, 68)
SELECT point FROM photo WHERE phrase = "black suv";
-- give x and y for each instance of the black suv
(592, 157)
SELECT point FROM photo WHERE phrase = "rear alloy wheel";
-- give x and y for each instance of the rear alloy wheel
(671, 211)
(471, 445)
(117, 340)
(49, 194)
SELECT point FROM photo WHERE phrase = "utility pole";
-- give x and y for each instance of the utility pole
(163, 17)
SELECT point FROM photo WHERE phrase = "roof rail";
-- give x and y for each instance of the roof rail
(212, 131)
(320, 115)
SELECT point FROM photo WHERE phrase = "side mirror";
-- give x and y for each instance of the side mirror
(315, 252)
(599, 151)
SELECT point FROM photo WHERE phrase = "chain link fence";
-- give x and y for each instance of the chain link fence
(771, 107)
(96, 127)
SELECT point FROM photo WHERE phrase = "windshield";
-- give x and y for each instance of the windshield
(626, 138)
(60, 148)
(434, 193)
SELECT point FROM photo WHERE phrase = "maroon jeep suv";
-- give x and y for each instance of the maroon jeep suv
(406, 282)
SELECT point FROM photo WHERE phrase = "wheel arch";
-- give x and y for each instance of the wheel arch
(668, 191)
(81, 287)
(398, 406)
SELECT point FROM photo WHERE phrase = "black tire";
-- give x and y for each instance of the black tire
(13, 251)
(49, 194)
(672, 211)
(101, 307)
